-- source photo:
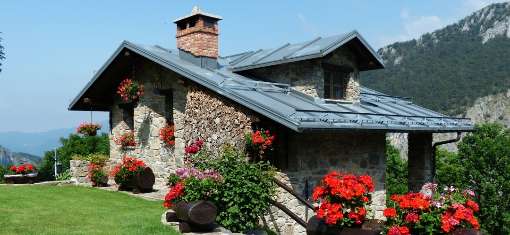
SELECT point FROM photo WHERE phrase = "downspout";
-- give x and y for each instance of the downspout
(434, 149)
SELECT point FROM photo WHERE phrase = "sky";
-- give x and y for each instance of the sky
(53, 48)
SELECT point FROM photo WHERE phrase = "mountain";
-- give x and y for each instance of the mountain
(36, 143)
(14, 158)
(449, 69)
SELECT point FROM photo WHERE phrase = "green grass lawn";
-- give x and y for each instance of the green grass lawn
(76, 210)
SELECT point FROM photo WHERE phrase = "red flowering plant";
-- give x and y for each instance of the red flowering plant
(343, 199)
(431, 211)
(259, 143)
(191, 184)
(126, 140)
(97, 174)
(23, 169)
(129, 90)
(166, 134)
(125, 171)
(88, 129)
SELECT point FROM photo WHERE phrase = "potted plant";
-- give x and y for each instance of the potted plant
(166, 134)
(259, 144)
(129, 90)
(133, 174)
(343, 201)
(190, 189)
(88, 129)
(22, 174)
(126, 140)
(97, 175)
(431, 211)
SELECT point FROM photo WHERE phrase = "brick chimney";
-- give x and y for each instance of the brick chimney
(197, 33)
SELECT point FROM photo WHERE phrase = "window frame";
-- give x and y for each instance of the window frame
(332, 71)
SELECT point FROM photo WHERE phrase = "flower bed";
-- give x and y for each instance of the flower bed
(133, 174)
(88, 129)
(97, 175)
(450, 211)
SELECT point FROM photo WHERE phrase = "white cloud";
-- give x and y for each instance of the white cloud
(413, 27)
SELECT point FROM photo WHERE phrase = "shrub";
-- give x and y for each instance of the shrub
(71, 146)
(66, 175)
(396, 172)
(96, 174)
(2, 173)
(190, 184)
(485, 157)
(449, 168)
(431, 211)
(246, 191)
(343, 198)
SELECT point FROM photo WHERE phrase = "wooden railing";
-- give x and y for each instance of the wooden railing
(285, 209)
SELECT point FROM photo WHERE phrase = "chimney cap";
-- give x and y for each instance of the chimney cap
(197, 11)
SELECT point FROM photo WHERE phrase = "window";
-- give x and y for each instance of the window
(128, 112)
(335, 81)
(169, 112)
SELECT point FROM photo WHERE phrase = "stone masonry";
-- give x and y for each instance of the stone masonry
(200, 39)
(308, 76)
(311, 156)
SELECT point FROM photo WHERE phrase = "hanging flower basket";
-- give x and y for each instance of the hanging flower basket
(88, 129)
(166, 134)
(129, 90)
(126, 140)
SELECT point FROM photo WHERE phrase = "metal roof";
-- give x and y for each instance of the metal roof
(316, 48)
(279, 102)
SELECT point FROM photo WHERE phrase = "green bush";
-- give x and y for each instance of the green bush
(246, 191)
(2, 173)
(485, 157)
(449, 169)
(396, 172)
(66, 175)
(72, 146)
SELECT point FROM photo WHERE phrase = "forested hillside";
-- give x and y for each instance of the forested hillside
(447, 70)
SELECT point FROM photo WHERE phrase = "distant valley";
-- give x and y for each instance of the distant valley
(14, 158)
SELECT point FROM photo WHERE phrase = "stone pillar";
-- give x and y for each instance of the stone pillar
(419, 160)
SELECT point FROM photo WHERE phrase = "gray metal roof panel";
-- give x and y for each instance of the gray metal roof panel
(286, 53)
(376, 111)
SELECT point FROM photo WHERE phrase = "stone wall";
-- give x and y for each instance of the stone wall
(304, 76)
(311, 156)
(308, 76)
(79, 171)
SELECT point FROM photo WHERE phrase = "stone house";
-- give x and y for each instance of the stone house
(308, 93)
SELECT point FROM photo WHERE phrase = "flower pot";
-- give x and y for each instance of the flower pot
(103, 182)
(317, 226)
(139, 183)
(21, 178)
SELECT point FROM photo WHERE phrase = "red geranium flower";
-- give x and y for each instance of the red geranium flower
(390, 212)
